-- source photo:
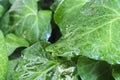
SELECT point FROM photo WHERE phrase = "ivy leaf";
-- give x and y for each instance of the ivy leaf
(3, 58)
(13, 42)
(65, 46)
(90, 30)
(90, 69)
(36, 64)
(27, 22)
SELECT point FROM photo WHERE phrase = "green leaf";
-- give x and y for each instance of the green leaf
(66, 9)
(5, 4)
(27, 22)
(34, 65)
(11, 1)
(90, 69)
(37, 65)
(4, 23)
(13, 42)
(116, 72)
(12, 67)
(1, 10)
(64, 16)
(91, 30)
(3, 58)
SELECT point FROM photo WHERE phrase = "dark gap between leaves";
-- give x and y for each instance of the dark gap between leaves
(45, 4)
(11, 18)
(55, 34)
(79, 78)
(16, 54)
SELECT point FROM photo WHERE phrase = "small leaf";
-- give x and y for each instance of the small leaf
(13, 42)
(27, 22)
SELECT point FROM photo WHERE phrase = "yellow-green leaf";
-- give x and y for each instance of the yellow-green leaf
(3, 58)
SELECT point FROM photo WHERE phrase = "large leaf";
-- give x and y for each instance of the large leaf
(90, 69)
(64, 14)
(13, 42)
(27, 22)
(3, 58)
(91, 30)
(37, 65)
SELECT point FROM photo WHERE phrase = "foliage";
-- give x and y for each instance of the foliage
(59, 40)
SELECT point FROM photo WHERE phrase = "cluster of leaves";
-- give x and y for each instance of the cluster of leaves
(59, 40)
